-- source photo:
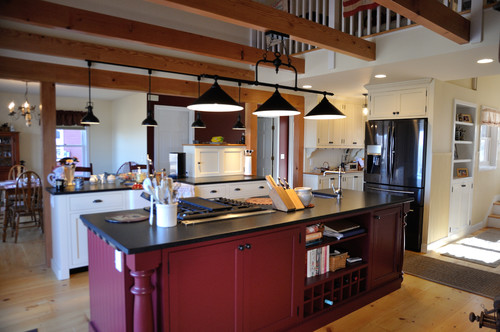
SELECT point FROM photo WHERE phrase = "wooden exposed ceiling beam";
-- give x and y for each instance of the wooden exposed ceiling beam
(34, 43)
(52, 15)
(434, 16)
(19, 69)
(257, 16)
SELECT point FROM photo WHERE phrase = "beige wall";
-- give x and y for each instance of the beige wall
(486, 183)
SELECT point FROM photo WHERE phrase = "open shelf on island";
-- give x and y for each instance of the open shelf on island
(331, 240)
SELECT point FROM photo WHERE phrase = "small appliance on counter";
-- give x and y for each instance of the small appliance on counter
(177, 162)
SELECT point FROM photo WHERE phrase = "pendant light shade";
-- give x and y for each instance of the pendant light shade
(275, 106)
(149, 121)
(89, 118)
(239, 125)
(198, 123)
(215, 100)
(324, 110)
(365, 105)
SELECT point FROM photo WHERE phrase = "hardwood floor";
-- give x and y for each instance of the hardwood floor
(31, 297)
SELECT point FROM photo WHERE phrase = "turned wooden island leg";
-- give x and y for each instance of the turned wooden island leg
(142, 266)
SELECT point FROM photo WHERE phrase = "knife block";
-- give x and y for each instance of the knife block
(280, 199)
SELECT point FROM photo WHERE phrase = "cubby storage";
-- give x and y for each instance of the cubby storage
(326, 291)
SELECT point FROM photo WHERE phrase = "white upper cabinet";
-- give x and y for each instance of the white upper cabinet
(214, 160)
(399, 100)
(339, 133)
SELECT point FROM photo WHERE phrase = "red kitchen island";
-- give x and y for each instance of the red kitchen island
(244, 274)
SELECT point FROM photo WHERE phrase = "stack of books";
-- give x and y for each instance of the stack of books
(314, 234)
(342, 228)
(318, 261)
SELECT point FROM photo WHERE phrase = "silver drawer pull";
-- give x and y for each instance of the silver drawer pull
(97, 201)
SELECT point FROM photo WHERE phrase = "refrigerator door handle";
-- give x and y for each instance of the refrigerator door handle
(389, 151)
(393, 147)
(391, 191)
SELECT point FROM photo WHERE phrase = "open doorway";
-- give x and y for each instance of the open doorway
(272, 147)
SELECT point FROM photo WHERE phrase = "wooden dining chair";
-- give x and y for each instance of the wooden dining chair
(83, 169)
(27, 209)
(15, 170)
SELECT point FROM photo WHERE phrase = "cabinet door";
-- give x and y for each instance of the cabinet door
(323, 133)
(202, 285)
(413, 102)
(207, 162)
(232, 161)
(272, 276)
(78, 242)
(383, 104)
(460, 201)
(358, 182)
(387, 246)
(354, 126)
(247, 189)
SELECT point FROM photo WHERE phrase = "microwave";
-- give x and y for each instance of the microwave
(351, 167)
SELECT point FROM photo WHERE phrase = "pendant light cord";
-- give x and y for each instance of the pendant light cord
(89, 64)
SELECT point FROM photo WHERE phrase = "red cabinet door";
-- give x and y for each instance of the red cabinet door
(202, 288)
(243, 285)
(387, 229)
(271, 278)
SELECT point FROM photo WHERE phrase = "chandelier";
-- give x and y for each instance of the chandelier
(25, 110)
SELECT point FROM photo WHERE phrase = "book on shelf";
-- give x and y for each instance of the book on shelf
(318, 261)
(342, 225)
(328, 232)
(313, 236)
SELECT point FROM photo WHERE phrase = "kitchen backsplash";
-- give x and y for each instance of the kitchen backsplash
(315, 158)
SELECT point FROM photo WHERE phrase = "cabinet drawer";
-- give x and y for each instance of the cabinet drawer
(244, 190)
(96, 201)
(209, 191)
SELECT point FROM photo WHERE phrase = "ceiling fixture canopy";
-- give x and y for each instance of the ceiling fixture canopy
(149, 121)
(324, 111)
(89, 118)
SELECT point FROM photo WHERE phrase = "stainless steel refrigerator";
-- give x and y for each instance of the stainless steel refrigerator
(395, 152)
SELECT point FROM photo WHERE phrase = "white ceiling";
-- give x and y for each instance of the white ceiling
(403, 55)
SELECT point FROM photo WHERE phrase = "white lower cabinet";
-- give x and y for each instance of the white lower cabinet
(352, 181)
(460, 205)
(233, 190)
(69, 235)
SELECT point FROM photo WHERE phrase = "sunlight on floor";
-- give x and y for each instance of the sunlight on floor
(465, 251)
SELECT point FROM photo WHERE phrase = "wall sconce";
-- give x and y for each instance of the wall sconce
(89, 118)
(365, 105)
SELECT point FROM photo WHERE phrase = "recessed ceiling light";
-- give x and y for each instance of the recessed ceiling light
(307, 86)
(380, 76)
(485, 61)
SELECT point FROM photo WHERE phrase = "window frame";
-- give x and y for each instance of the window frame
(492, 143)
(85, 146)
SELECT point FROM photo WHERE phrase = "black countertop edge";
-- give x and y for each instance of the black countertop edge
(140, 237)
(220, 179)
(88, 188)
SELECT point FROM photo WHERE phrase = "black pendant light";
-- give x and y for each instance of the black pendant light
(324, 111)
(275, 106)
(198, 123)
(149, 121)
(239, 125)
(215, 100)
(89, 118)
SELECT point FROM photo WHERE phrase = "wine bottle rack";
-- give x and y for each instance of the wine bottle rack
(325, 291)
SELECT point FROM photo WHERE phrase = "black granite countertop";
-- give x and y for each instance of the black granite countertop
(88, 188)
(133, 238)
(220, 179)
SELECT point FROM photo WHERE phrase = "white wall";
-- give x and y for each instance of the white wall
(129, 140)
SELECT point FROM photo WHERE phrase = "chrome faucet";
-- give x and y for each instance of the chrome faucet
(337, 192)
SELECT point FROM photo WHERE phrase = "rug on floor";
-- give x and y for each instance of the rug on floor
(483, 248)
(457, 276)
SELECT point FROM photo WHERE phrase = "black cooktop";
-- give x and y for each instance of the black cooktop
(190, 208)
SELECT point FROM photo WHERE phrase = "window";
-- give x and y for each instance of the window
(72, 143)
(488, 147)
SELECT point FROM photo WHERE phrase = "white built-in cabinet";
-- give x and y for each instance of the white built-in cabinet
(460, 205)
(69, 235)
(352, 181)
(409, 99)
(339, 133)
(214, 160)
(462, 166)
(233, 190)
